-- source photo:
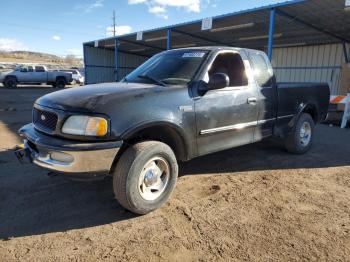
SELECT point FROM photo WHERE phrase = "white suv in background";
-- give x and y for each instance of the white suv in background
(78, 78)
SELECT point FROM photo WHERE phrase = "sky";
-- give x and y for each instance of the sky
(60, 27)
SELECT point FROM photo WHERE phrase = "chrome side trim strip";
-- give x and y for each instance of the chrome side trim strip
(240, 126)
(286, 116)
(263, 121)
(228, 128)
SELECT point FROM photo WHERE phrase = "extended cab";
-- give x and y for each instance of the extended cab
(35, 74)
(178, 105)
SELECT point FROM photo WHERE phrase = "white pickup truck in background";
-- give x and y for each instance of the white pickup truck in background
(37, 74)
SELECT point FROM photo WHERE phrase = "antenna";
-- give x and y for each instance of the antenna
(114, 23)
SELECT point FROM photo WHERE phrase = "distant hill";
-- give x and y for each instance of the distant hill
(18, 57)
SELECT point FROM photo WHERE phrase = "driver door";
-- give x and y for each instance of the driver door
(227, 117)
(23, 74)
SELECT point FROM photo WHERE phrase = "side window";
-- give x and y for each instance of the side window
(24, 70)
(232, 65)
(30, 69)
(261, 69)
(39, 69)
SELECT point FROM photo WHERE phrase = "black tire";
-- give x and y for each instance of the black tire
(127, 176)
(296, 143)
(53, 85)
(10, 82)
(60, 83)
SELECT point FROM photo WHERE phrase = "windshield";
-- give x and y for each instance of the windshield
(169, 68)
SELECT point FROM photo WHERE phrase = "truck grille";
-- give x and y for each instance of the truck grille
(44, 119)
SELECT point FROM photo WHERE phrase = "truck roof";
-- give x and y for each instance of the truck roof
(213, 48)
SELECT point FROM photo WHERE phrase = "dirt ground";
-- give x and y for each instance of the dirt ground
(253, 203)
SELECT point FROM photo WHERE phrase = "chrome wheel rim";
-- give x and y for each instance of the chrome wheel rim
(154, 178)
(305, 133)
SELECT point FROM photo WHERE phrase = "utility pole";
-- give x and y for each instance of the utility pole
(114, 23)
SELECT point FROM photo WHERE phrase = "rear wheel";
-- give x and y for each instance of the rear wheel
(301, 138)
(60, 83)
(145, 176)
(10, 82)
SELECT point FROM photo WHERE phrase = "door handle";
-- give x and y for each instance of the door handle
(252, 100)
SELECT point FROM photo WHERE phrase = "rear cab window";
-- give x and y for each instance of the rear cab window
(231, 64)
(261, 68)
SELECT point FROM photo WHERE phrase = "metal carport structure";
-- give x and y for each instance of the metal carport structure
(306, 40)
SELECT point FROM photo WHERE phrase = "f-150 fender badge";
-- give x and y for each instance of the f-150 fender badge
(185, 108)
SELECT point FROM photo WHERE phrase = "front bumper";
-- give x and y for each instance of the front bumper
(65, 156)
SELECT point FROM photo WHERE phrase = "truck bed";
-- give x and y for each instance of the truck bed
(292, 95)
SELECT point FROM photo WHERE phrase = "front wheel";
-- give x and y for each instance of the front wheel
(145, 176)
(300, 139)
(10, 82)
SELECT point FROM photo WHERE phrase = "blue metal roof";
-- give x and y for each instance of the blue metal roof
(297, 22)
(236, 13)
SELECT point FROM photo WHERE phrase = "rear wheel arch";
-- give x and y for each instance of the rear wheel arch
(310, 109)
(61, 78)
(299, 140)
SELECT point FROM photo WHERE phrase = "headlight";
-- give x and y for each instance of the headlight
(85, 126)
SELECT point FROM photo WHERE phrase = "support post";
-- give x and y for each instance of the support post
(84, 57)
(271, 32)
(116, 70)
(345, 53)
(168, 39)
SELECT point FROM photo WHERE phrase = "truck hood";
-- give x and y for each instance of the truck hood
(3, 74)
(87, 98)
(6, 72)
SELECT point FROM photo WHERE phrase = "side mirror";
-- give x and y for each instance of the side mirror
(217, 81)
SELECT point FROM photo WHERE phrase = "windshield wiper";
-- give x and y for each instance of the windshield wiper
(145, 76)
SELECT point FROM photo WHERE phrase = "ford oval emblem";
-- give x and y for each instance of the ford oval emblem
(43, 117)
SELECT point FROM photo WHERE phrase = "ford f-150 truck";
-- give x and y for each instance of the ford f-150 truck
(37, 74)
(178, 105)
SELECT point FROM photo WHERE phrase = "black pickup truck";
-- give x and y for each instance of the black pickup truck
(178, 105)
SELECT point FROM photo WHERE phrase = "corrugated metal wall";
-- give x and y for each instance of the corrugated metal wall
(100, 65)
(128, 62)
(321, 63)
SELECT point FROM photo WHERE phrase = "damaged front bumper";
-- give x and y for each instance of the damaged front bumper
(66, 156)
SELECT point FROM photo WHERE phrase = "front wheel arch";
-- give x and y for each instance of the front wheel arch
(10, 77)
(165, 132)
